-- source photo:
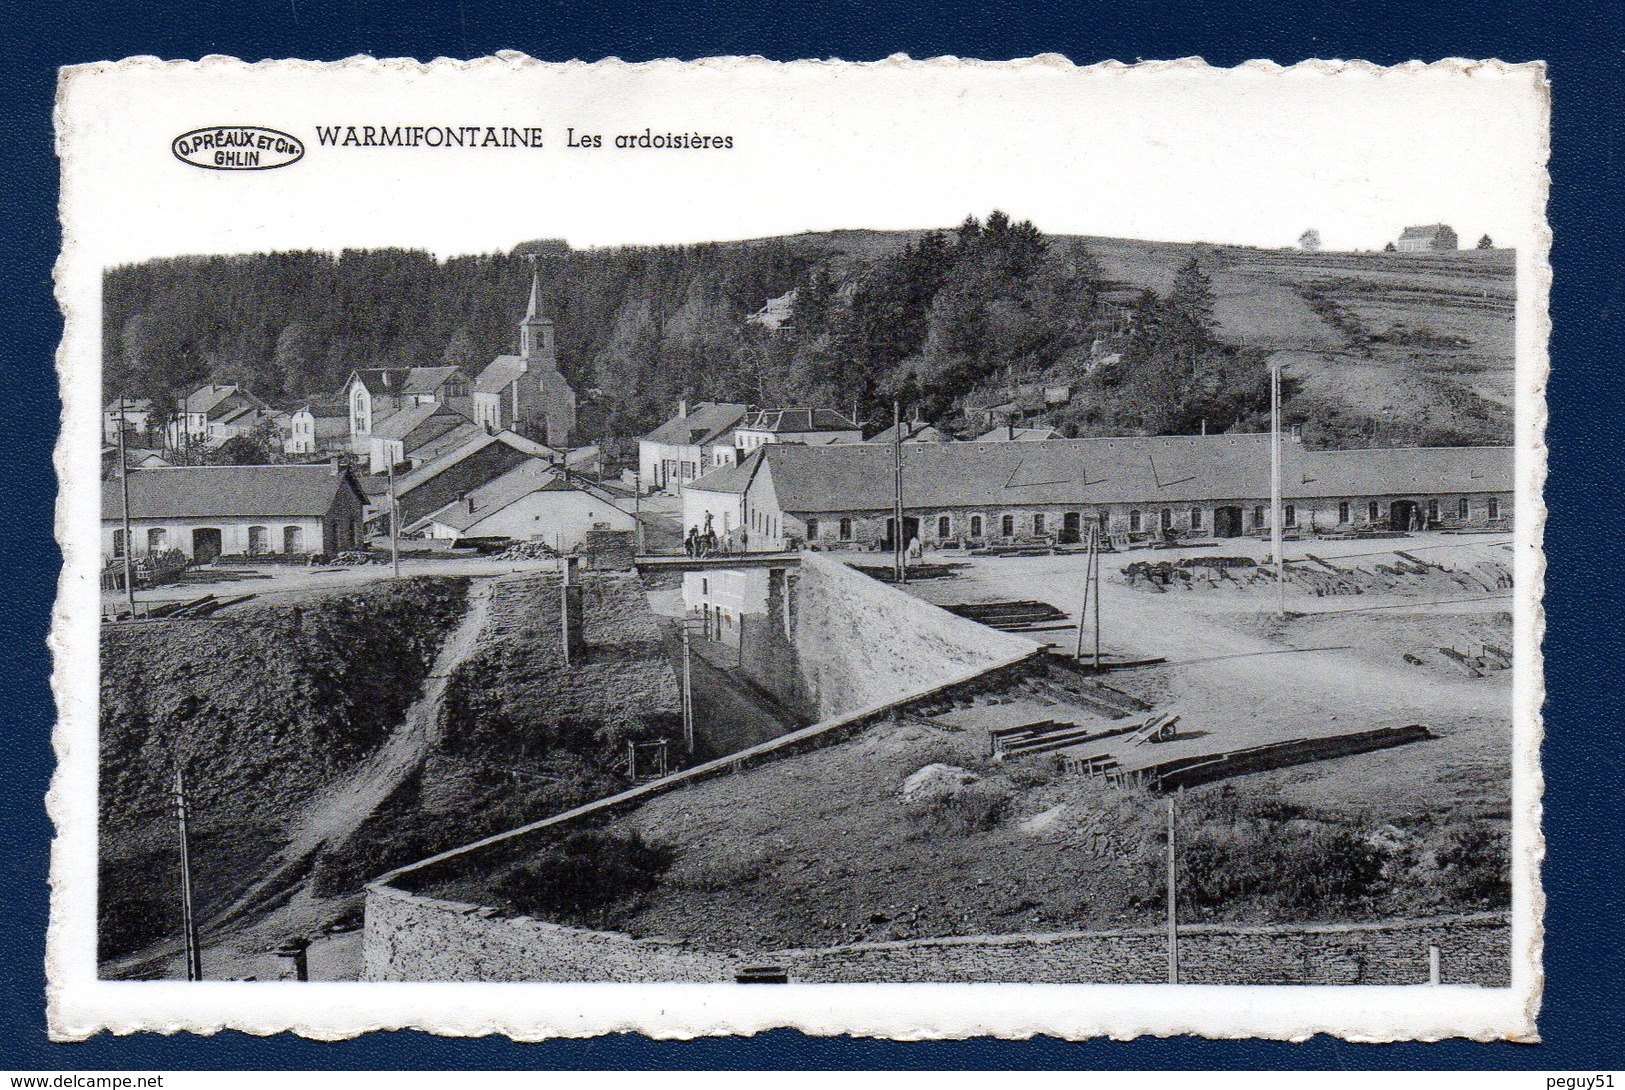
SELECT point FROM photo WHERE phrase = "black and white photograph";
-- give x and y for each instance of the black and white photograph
(887, 526)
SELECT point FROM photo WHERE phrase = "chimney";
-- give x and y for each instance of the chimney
(469, 500)
(682, 408)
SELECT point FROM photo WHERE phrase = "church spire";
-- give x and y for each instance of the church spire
(536, 331)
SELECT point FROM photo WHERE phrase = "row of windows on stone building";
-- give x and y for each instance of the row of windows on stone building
(1138, 522)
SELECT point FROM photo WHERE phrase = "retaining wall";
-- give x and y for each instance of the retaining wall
(1473, 950)
(420, 938)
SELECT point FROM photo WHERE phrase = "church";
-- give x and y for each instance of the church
(527, 393)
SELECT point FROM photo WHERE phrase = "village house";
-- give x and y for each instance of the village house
(782, 496)
(200, 413)
(373, 393)
(455, 473)
(534, 501)
(693, 442)
(527, 393)
(134, 414)
(814, 427)
(405, 435)
(1426, 238)
(246, 421)
(211, 511)
(318, 427)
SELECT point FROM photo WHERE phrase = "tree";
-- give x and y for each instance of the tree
(1389, 247)
(461, 351)
(1309, 241)
(1486, 243)
(1192, 294)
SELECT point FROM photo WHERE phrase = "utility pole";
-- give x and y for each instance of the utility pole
(1275, 488)
(394, 516)
(124, 493)
(1173, 902)
(637, 512)
(900, 568)
(688, 692)
(194, 951)
(1094, 541)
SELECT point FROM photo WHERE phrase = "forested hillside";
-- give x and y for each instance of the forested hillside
(1152, 337)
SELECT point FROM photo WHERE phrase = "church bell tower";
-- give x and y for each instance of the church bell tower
(536, 331)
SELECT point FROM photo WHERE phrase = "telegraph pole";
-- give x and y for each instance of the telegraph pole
(1173, 903)
(124, 493)
(1094, 567)
(900, 568)
(637, 512)
(1275, 488)
(688, 691)
(194, 951)
(394, 516)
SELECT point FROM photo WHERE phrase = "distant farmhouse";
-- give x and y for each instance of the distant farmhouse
(1433, 236)
(782, 495)
(527, 393)
(211, 511)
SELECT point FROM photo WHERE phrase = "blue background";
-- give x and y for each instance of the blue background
(1581, 1018)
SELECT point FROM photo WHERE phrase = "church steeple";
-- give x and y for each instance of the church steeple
(536, 331)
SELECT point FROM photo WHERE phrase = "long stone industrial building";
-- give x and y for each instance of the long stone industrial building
(786, 495)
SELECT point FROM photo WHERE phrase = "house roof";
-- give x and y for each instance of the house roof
(433, 468)
(131, 405)
(306, 491)
(914, 431)
(1149, 469)
(431, 417)
(797, 420)
(705, 423)
(530, 476)
(205, 399)
(390, 380)
(1006, 434)
(427, 449)
(426, 380)
(1426, 230)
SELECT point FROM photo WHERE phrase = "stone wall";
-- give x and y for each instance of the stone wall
(420, 938)
(1473, 950)
(411, 937)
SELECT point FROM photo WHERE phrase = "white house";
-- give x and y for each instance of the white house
(207, 406)
(534, 501)
(690, 444)
(135, 413)
(373, 393)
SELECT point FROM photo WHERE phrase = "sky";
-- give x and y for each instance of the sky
(1249, 156)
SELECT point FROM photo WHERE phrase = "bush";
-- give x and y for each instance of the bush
(1476, 865)
(585, 877)
(973, 808)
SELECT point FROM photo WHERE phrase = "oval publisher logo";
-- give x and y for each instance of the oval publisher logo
(237, 147)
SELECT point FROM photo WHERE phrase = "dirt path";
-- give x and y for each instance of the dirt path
(334, 815)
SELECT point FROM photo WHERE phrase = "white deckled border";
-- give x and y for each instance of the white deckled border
(79, 1005)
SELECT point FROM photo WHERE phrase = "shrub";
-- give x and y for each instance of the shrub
(1476, 864)
(973, 808)
(585, 877)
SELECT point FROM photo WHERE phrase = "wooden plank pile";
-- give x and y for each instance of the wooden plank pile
(1016, 616)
